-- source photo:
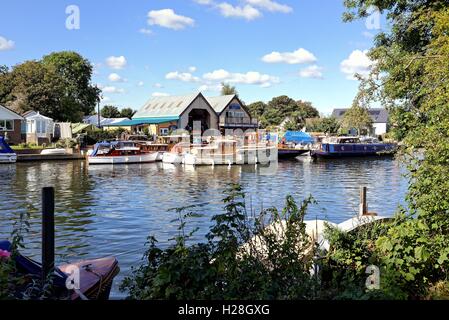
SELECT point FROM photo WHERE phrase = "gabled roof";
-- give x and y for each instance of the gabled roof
(37, 116)
(379, 115)
(221, 102)
(171, 106)
(8, 114)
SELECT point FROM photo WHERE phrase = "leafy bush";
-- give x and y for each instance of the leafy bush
(228, 264)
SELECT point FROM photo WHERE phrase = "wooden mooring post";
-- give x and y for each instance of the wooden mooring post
(48, 231)
(363, 207)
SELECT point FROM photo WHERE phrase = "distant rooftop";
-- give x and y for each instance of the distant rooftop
(379, 115)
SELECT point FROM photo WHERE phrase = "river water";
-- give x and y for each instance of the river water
(105, 210)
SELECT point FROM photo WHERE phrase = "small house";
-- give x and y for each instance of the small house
(10, 125)
(39, 128)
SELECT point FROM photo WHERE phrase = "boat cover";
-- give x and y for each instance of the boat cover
(26, 265)
(4, 147)
(298, 137)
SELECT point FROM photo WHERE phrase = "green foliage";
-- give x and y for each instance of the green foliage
(282, 108)
(66, 143)
(93, 137)
(411, 77)
(127, 113)
(357, 117)
(222, 267)
(110, 112)
(227, 89)
(325, 125)
(57, 86)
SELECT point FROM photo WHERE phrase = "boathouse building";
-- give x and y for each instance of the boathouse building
(161, 115)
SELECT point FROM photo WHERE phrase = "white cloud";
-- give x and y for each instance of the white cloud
(192, 69)
(112, 89)
(6, 44)
(270, 5)
(114, 77)
(140, 84)
(167, 18)
(217, 75)
(251, 77)
(116, 62)
(246, 12)
(181, 76)
(357, 62)
(160, 94)
(213, 88)
(158, 85)
(296, 57)
(146, 31)
(313, 71)
(204, 2)
(106, 99)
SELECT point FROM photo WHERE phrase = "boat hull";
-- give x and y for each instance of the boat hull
(8, 158)
(143, 158)
(290, 153)
(353, 150)
(172, 158)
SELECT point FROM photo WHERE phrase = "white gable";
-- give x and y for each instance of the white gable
(6, 114)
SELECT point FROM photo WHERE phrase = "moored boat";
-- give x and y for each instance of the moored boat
(176, 154)
(95, 276)
(7, 155)
(120, 152)
(337, 147)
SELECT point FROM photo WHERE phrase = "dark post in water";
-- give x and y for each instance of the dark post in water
(363, 210)
(48, 231)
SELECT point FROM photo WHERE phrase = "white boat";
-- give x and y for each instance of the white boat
(220, 152)
(7, 155)
(176, 154)
(55, 152)
(159, 148)
(120, 152)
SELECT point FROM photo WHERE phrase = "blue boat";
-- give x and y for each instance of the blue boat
(337, 147)
(7, 155)
(293, 144)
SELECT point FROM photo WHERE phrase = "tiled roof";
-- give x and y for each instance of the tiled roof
(379, 115)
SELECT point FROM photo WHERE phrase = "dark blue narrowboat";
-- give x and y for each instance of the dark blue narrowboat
(337, 147)
(7, 155)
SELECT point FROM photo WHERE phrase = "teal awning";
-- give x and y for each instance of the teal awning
(137, 122)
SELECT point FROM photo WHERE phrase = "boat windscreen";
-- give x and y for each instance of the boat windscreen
(4, 147)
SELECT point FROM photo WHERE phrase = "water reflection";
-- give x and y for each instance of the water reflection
(110, 210)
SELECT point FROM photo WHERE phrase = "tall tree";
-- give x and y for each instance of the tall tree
(357, 117)
(257, 108)
(411, 77)
(79, 96)
(127, 113)
(110, 112)
(227, 89)
(32, 86)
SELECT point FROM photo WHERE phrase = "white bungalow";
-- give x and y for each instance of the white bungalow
(39, 128)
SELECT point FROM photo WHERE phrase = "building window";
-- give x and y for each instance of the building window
(7, 125)
(164, 131)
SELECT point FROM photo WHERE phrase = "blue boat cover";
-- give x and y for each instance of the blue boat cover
(298, 137)
(4, 147)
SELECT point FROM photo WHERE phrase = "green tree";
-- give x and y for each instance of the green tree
(357, 117)
(227, 89)
(325, 124)
(110, 112)
(127, 113)
(257, 108)
(306, 110)
(411, 77)
(79, 95)
(32, 86)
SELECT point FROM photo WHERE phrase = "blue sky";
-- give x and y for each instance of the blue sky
(266, 48)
